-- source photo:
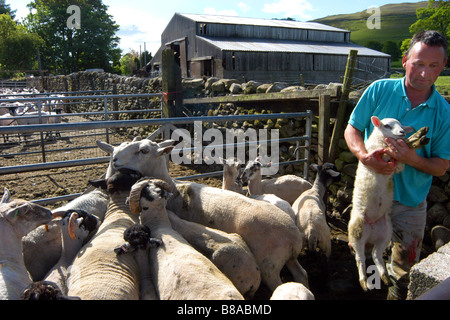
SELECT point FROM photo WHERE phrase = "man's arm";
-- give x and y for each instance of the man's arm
(400, 151)
(355, 143)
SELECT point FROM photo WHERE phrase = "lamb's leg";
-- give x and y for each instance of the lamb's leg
(377, 256)
(360, 258)
(147, 290)
(299, 274)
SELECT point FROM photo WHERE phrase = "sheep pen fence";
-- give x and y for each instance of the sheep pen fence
(86, 117)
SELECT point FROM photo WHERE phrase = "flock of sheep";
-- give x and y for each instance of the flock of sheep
(20, 113)
(142, 235)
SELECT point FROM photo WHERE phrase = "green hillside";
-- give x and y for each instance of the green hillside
(395, 22)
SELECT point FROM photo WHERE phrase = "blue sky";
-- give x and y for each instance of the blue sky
(143, 21)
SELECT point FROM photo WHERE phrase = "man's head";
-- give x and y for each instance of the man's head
(425, 59)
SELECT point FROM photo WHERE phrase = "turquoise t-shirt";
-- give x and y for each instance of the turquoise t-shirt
(387, 99)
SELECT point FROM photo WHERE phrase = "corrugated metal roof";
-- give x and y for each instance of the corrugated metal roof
(263, 45)
(205, 18)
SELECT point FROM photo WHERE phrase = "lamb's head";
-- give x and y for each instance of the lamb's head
(24, 216)
(137, 237)
(78, 223)
(148, 193)
(122, 180)
(390, 128)
(232, 169)
(327, 173)
(44, 290)
(253, 170)
(142, 155)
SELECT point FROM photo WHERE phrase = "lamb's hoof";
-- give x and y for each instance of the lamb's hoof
(440, 235)
(386, 280)
(363, 284)
(418, 139)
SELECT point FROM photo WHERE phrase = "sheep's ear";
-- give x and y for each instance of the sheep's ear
(166, 143)
(137, 138)
(99, 183)
(376, 121)
(6, 196)
(222, 160)
(165, 150)
(105, 146)
(408, 129)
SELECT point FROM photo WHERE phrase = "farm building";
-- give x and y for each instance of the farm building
(260, 49)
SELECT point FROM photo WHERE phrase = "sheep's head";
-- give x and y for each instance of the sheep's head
(327, 173)
(142, 155)
(137, 237)
(79, 223)
(24, 216)
(147, 191)
(44, 290)
(253, 170)
(391, 128)
(232, 168)
(122, 180)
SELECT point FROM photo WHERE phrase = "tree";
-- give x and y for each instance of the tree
(6, 8)
(18, 47)
(375, 45)
(436, 16)
(66, 50)
(392, 48)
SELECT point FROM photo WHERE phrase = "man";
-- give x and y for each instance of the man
(414, 101)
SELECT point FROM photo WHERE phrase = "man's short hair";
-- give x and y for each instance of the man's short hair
(430, 38)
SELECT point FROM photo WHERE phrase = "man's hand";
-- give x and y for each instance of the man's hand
(375, 161)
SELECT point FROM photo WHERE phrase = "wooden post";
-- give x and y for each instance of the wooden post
(324, 128)
(349, 70)
(171, 85)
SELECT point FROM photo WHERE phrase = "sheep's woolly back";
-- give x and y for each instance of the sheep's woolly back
(97, 273)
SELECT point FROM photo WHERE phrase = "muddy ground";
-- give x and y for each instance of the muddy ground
(335, 279)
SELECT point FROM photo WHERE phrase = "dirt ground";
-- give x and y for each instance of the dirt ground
(335, 279)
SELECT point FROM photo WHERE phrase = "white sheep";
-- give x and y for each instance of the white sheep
(97, 273)
(76, 225)
(310, 209)
(42, 246)
(179, 271)
(231, 173)
(228, 251)
(139, 242)
(252, 176)
(17, 218)
(287, 187)
(373, 194)
(292, 291)
(269, 232)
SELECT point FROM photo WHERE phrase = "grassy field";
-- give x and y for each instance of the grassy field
(395, 21)
(443, 84)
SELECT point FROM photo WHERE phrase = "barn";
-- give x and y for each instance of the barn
(260, 49)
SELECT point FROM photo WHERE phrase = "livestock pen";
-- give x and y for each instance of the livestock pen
(55, 149)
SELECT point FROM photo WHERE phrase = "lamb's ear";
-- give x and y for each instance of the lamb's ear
(99, 183)
(408, 129)
(105, 146)
(165, 150)
(376, 121)
(6, 196)
(137, 138)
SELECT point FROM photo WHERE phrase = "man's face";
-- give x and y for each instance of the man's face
(423, 66)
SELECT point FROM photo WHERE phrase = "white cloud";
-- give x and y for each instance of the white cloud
(289, 8)
(213, 11)
(243, 7)
(137, 27)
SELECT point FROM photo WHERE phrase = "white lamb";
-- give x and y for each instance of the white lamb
(17, 218)
(231, 172)
(370, 222)
(287, 187)
(310, 209)
(252, 176)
